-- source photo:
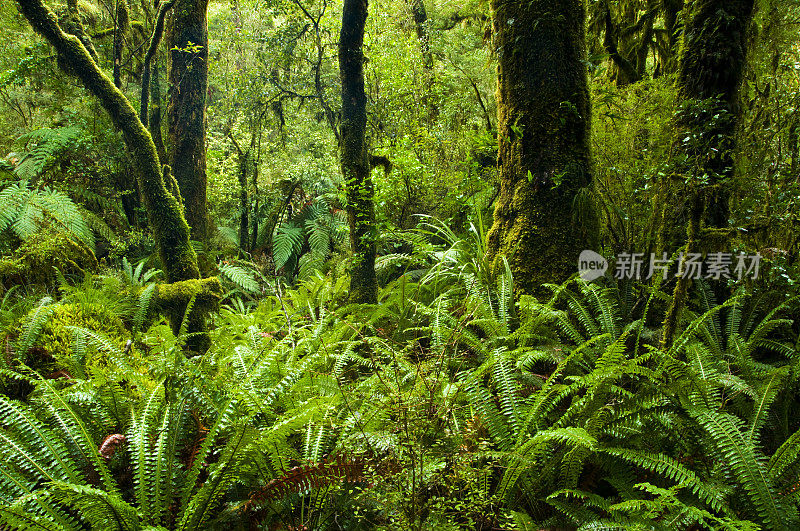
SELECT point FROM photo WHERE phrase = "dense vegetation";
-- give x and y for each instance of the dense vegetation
(306, 264)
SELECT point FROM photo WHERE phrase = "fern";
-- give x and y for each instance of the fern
(47, 145)
(240, 276)
(100, 509)
(286, 243)
(26, 211)
(744, 459)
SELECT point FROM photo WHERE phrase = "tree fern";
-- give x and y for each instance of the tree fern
(286, 243)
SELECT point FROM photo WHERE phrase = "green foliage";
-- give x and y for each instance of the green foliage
(301, 245)
(48, 144)
(43, 257)
(26, 211)
(445, 406)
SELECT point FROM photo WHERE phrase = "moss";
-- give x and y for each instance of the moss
(712, 62)
(355, 159)
(54, 344)
(171, 300)
(187, 71)
(163, 210)
(543, 144)
(207, 293)
(36, 261)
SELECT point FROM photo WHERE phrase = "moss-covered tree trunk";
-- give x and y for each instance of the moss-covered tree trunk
(421, 23)
(187, 42)
(711, 66)
(122, 28)
(543, 128)
(710, 73)
(71, 23)
(158, 190)
(355, 158)
(154, 122)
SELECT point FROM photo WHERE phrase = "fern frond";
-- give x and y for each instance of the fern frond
(100, 509)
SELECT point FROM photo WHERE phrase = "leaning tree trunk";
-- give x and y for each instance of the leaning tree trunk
(543, 128)
(354, 153)
(187, 42)
(158, 190)
(710, 74)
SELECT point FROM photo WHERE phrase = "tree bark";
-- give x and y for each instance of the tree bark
(421, 23)
(710, 74)
(169, 227)
(670, 11)
(71, 23)
(355, 158)
(149, 56)
(626, 71)
(122, 27)
(543, 127)
(154, 123)
(187, 42)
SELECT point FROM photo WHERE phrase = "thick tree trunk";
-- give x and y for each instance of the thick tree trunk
(163, 208)
(71, 23)
(710, 73)
(355, 158)
(186, 112)
(670, 10)
(543, 127)
(626, 71)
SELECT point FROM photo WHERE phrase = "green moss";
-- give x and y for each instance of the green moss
(543, 140)
(169, 227)
(36, 261)
(173, 298)
(54, 343)
(207, 293)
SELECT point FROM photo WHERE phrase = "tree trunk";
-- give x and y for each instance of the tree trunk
(420, 15)
(149, 57)
(626, 71)
(186, 112)
(154, 123)
(543, 127)
(169, 227)
(355, 153)
(710, 74)
(71, 23)
(711, 67)
(122, 28)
